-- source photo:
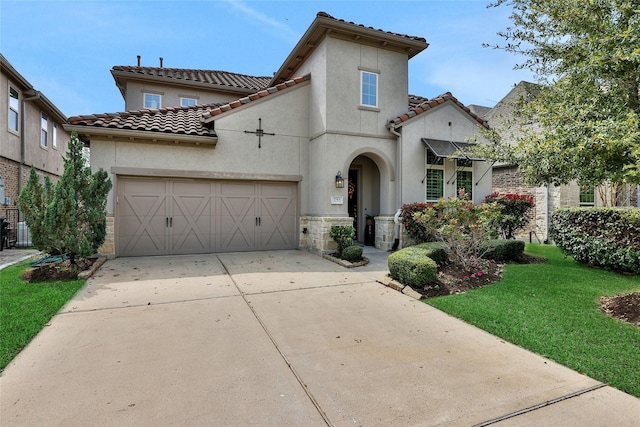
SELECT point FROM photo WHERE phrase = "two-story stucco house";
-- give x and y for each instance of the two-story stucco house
(211, 161)
(32, 134)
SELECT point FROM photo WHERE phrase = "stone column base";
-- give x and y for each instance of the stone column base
(314, 233)
(385, 232)
(108, 248)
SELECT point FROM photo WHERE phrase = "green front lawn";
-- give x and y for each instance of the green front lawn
(553, 310)
(25, 308)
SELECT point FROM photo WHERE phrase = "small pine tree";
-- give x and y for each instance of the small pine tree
(73, 218)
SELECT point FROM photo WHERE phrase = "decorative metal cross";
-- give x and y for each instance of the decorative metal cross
(260, 132)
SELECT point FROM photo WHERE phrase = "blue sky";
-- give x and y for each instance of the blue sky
(66, 48)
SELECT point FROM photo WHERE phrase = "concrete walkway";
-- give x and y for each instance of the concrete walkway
(12, 256)
(281, 339)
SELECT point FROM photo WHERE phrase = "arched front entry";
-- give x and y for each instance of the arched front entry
(364, 196)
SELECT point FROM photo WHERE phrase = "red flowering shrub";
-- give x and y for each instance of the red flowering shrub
(416, 230)
(514, 215)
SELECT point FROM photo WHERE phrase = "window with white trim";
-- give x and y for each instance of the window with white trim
(434, 177)
(14, 109)
(152, 101)
(369, 89)
(44, 130)
(464, 177)
(187, 102)
(54, 136)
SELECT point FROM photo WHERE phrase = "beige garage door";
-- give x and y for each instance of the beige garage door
(179, 216)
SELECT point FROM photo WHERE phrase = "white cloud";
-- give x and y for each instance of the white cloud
(272, 25)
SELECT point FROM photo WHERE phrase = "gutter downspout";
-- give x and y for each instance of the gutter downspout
(398, 135)
(23, 144)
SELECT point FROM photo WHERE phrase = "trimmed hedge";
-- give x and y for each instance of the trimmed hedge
(502, 249)
(343, 236)
(411, 266)
(352, 253)
(605, 237)
(435, 251)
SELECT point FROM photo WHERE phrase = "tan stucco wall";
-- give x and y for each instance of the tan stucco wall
(236, 152)
(449, 123)
(170, 95)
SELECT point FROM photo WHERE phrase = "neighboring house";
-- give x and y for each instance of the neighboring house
(32, 134)
(507, 178)
(331, 138)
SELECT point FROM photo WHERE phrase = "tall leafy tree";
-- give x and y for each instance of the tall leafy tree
(72, 220)
(584, 123)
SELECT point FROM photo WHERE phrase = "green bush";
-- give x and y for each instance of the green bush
(435, 251)
(411, 266)
(343, 236)
(461, 225)
(514, 213)
(606, 237)
(502, 250)
(352, 253)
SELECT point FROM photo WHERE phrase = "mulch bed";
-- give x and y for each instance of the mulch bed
(455, 280)
(623, 307)
(57, 271)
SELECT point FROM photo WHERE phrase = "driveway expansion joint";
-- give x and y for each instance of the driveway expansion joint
(297, 376)
(541, 405)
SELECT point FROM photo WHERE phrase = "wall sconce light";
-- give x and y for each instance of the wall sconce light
(339, 180)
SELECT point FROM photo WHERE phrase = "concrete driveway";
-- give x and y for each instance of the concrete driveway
(281, 339)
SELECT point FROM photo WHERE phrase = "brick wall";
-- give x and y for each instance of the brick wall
(9, 171)
(509, 180)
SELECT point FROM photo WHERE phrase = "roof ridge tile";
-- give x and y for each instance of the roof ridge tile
(417, 109)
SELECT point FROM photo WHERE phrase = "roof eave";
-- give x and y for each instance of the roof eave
(130, 135)
(324, 26)
(29, 91)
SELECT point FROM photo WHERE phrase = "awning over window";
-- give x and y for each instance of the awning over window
(449, 149)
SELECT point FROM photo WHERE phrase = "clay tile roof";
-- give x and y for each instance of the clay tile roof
(326, 15)
(213, 77)
(415, 100)
(253, 97)
(175, 120)
(419, 105)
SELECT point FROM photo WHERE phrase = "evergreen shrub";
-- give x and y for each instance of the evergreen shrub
(503, 249)
(352, 253)
(343, 236)
(605, 237)
(436, 251)
(411, 266)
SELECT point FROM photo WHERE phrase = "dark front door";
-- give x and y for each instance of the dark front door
(353, 198)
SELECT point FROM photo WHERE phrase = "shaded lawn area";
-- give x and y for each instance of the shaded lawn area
(25, 308)
(553, 310)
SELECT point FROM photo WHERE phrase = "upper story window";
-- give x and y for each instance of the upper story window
(369, 89)
(434, 177)
(44, 130)
(14, 109)
(587, 195)
(54, 136)
(187, 102)
(151, 101)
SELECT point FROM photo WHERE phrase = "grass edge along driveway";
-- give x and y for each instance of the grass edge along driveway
(26, 308)
(553, 309)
